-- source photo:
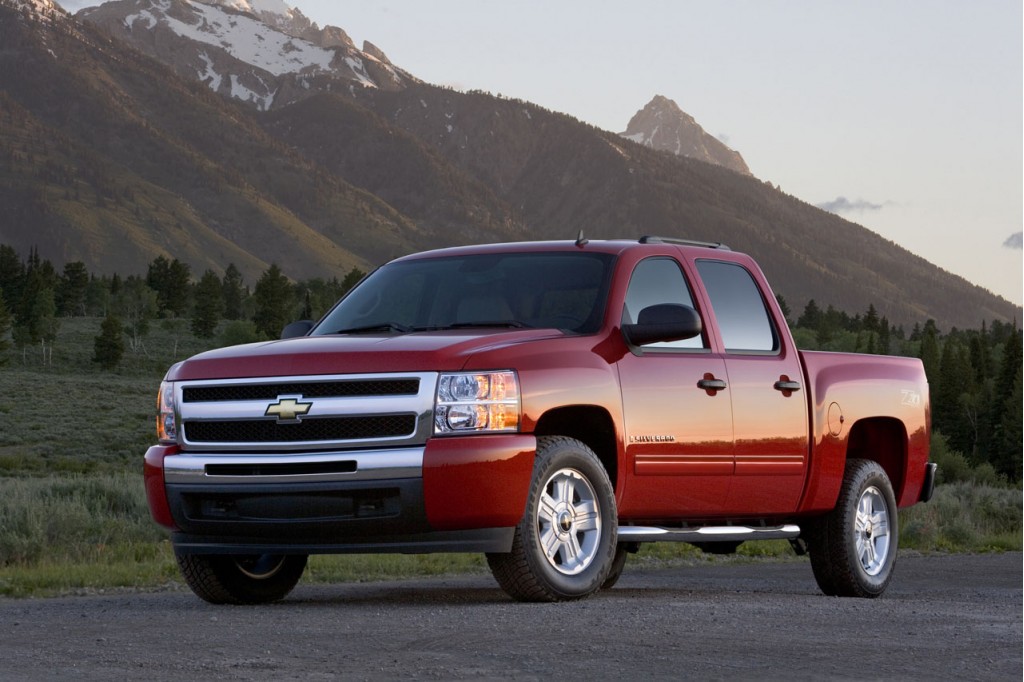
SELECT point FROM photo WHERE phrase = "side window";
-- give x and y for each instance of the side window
(742, 317)
(654, 281)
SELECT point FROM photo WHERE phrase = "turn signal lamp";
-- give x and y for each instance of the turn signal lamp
(166, 424)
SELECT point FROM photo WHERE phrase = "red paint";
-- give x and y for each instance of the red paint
(477, 481)
(156, 494)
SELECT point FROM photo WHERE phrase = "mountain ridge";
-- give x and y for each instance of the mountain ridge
(352, 176)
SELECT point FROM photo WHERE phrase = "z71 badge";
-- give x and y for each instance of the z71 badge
(910, 398)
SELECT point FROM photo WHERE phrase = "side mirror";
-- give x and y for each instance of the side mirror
(663, 322)
(300, 328)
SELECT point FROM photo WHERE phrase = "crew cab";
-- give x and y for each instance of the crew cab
(550, 404)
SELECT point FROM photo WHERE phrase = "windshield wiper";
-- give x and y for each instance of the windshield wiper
(372, 328)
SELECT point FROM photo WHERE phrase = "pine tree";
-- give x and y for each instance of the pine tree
(233, 293)
(930, 353)
(108, 347)
(811, 317)
(5, 330)
(273, 299)
(71, 289)
(209, 305)
(170, 281)
(1005, 452)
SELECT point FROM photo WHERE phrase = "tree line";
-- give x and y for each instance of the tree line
(974, 375)
(34, 297)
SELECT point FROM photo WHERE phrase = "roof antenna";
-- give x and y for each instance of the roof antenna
(581, 240)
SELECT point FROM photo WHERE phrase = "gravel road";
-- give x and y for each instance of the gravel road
(943, 617)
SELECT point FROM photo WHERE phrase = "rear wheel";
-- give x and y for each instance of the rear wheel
(853, 548)
(250, 579)
(564, 546)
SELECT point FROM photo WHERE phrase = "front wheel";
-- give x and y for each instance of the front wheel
(564, 545)
(255, 579)
(853, 548)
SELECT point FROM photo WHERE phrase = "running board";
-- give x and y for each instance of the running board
(707, 533)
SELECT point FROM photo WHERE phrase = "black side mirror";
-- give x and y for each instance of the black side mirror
(300, 328)
(663, 322)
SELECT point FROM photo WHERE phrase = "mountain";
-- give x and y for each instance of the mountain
(112, 157)
(663, 125)
(108, 158)
(259, 51)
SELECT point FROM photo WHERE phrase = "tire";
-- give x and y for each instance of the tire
(565, 543)
(255, 579)
(853, 548)
(622, 552)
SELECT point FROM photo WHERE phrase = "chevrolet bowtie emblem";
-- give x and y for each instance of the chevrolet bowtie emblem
(287, 410)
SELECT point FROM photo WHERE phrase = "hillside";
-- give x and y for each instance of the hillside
(110, 157)
(107, 157)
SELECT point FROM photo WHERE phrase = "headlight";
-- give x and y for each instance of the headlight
(474, 402)
(166, 425)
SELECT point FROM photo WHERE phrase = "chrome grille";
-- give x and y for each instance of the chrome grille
(337, 412)
(308, 389)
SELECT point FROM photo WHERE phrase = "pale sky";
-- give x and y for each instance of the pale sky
(911, 111)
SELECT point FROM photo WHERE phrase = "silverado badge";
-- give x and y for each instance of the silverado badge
(288, 410)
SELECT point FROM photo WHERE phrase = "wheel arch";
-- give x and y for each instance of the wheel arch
(883, 440)
(589, 424)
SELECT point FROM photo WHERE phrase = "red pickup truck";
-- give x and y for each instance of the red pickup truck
(553, 405)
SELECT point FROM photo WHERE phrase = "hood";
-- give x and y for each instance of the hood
(352, 354)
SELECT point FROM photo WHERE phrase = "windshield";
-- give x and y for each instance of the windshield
(539, 290)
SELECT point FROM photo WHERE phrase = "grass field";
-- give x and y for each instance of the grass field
(73, 515)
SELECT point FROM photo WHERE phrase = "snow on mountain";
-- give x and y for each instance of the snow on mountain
(260, 51)
(244, 37)
(44, 10)
(662, 125)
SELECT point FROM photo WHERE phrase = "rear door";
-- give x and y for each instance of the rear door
(765, 386)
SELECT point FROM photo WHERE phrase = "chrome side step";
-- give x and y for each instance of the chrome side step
(707, 533)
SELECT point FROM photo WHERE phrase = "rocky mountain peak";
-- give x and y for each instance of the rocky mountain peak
(43, 10)
(662, 125)
(263, 52)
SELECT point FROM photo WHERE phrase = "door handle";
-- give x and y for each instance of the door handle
(786, 385)
(711, 384)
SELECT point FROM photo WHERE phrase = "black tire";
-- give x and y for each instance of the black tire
(255, 579)
(853, 548)
(622, 552)
(571, 511)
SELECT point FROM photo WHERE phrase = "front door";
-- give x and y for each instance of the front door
(679, 440)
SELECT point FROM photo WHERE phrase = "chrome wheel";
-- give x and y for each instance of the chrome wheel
(569, 522)
(853, 547)
(565, 543)
(260, 566)
(871, 530)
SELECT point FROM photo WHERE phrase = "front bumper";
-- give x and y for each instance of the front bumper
(452, 494)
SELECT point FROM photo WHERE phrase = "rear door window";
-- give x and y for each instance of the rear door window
(743, 319)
